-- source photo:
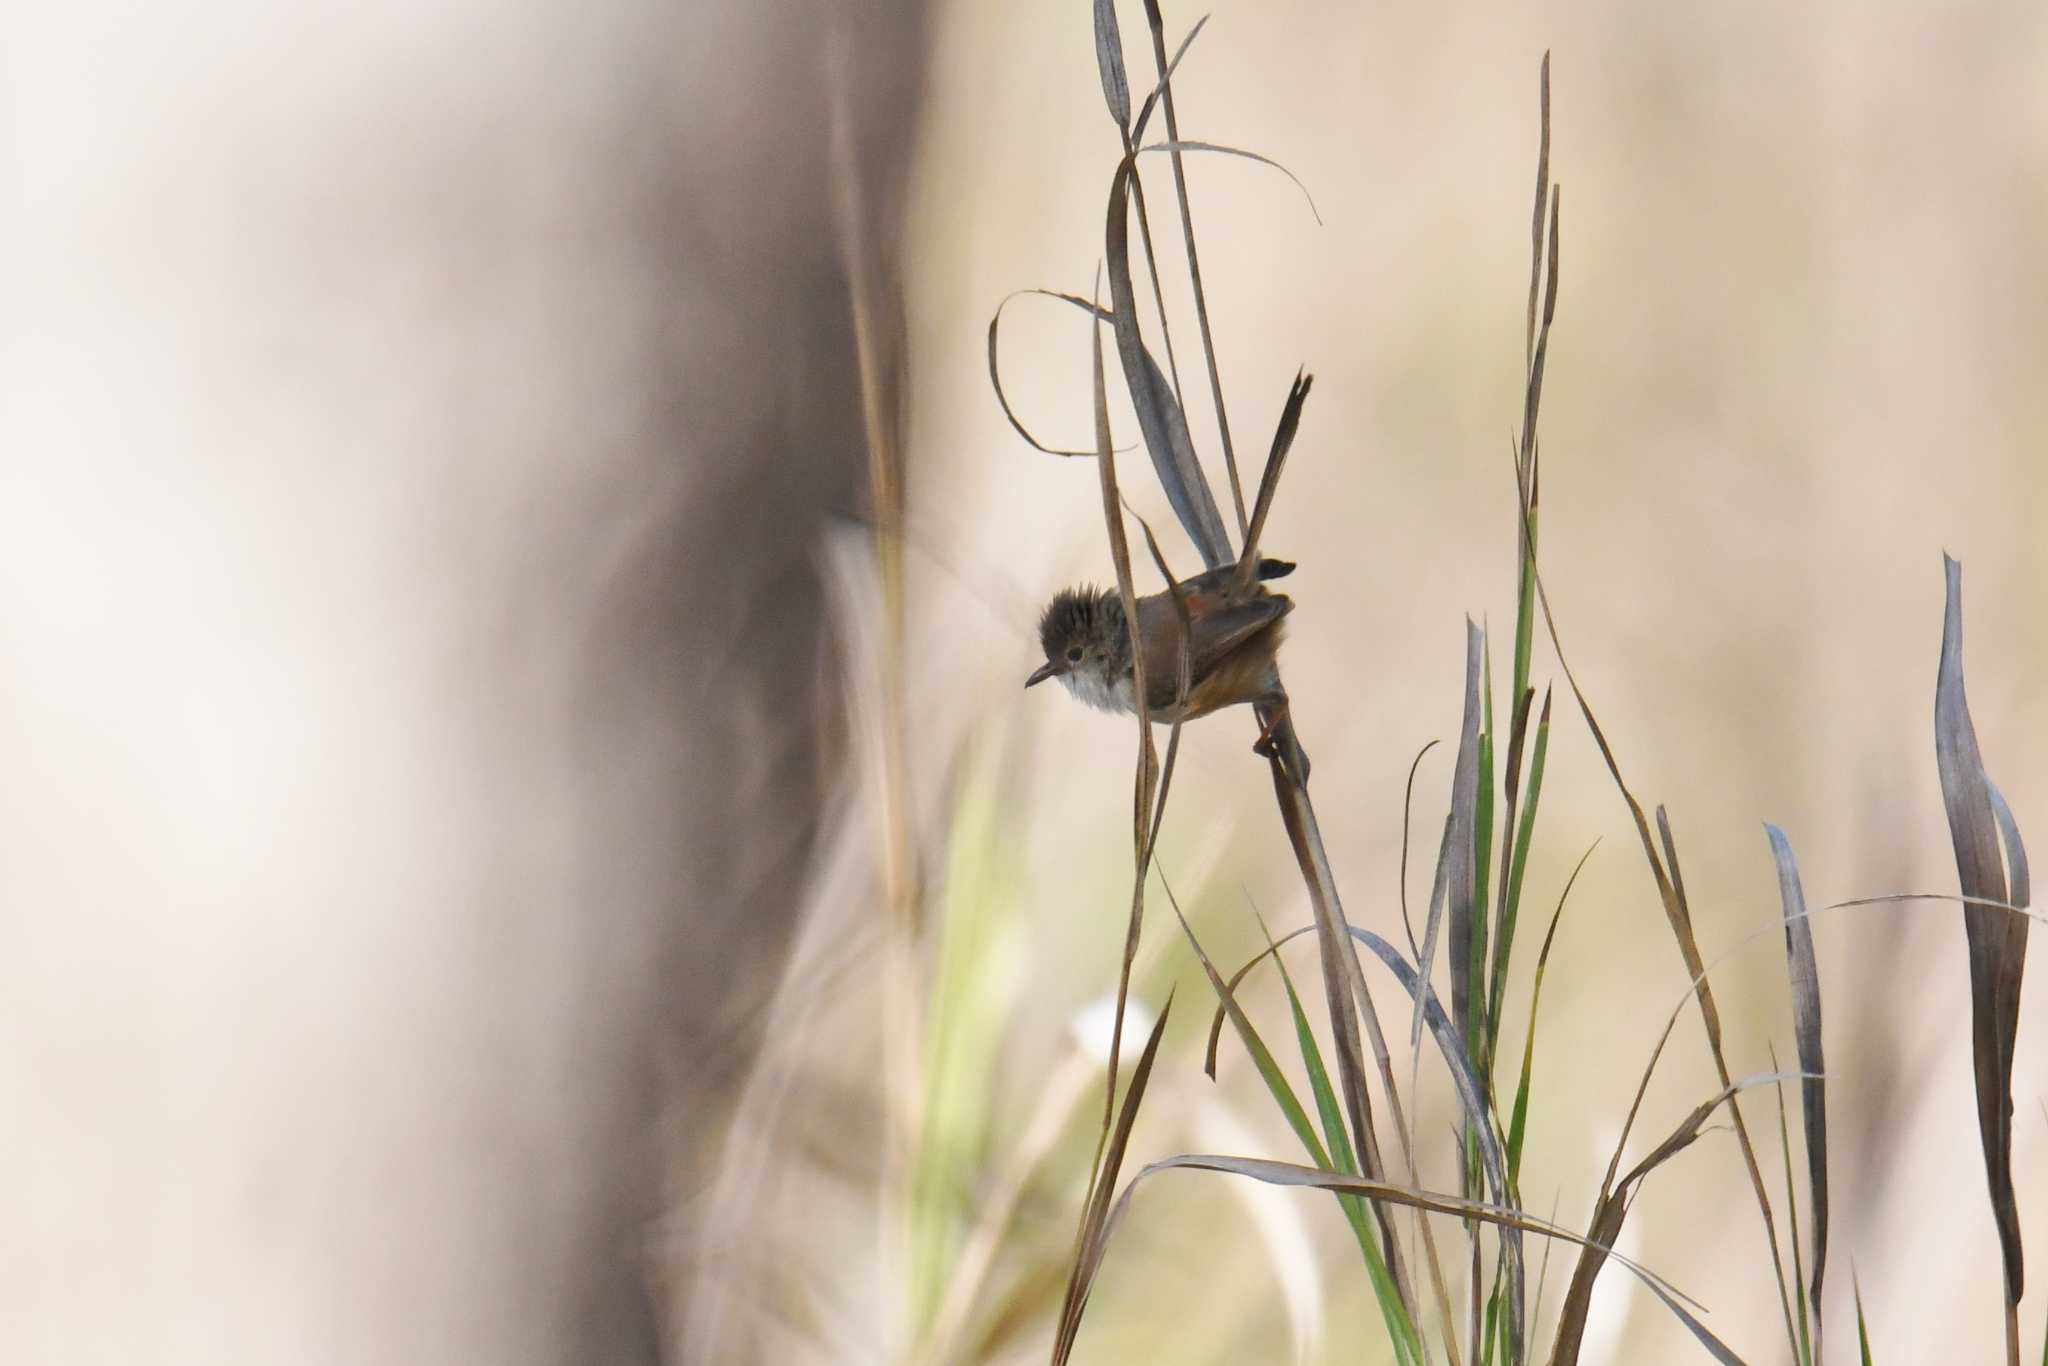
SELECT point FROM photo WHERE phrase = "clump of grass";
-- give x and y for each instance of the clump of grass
(1476, 901)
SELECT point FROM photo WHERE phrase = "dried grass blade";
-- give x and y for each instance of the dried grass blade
(1178, 147)
(1533, 398)
(1096, 1221)
(1613, 1211)
(1120, 555)
(1670, 891)
(1344, 984)
(1542, 198)
(1152, 100)
(1159, 415)
(995, 376)
(1109, 60)
(1269, 483)
(1802, 1346)
(1997, 941)
(1804, 969)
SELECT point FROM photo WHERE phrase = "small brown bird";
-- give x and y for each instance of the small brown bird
(1235, 626)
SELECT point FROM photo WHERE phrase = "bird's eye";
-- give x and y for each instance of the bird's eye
(1073, 654)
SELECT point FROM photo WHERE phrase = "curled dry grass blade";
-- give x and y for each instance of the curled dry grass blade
(1804, 970)
(995, 374)
(1997, 943)
(1292, 1174)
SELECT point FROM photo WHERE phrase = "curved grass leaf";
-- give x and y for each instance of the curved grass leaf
(1997, 943)
(995, 376)
(1177, 146)
(1806, 1021)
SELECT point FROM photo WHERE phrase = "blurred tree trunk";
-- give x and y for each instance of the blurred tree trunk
(713, 707)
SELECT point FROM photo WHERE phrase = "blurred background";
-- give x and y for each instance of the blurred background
(497, 867)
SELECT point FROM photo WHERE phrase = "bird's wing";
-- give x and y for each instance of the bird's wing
(1218, 628)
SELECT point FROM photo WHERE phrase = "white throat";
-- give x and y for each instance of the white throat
(1094, 687)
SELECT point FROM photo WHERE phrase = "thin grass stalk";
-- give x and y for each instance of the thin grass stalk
(1141, 812)
(1802, 1349)
(1297, 814)
(1676, 912)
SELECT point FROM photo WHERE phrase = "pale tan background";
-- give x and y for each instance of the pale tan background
(364, 389)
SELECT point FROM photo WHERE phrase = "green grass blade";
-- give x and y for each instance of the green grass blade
(1518, 1124)
(1511, 910)
(1344, 1161)
(1400, 1330)
(1525, 609)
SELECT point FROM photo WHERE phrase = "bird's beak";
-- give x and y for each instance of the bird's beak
(1041, 673)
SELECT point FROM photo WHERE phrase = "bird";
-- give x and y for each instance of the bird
(1235, 626)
